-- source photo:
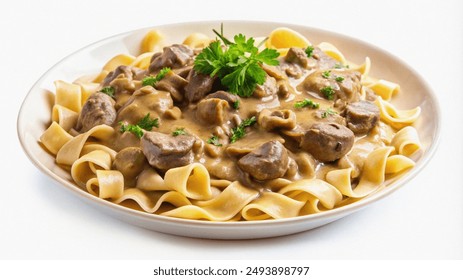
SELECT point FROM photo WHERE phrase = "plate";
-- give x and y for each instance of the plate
(35, 113)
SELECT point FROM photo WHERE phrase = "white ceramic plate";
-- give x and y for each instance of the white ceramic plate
(34, 118)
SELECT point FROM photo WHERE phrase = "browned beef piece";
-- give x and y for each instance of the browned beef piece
(175, 56)
(130, 162)
(165, 151)
(198, 86)
(98, 109)
(361, 116)
(213, 111)
(326, 86)
(323, 60)
(269, 161)
(232, 99)
(297, 56)
(122, 71)
(328, 115)
(328, 141)
(174, 84)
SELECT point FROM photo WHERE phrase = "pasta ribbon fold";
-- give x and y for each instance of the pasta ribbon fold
(332, 51)
(272, 205)
(107, 184)
(68, 95)
(406, 141)
(383, 88)
(65, 117)
(72, 149)
(86, 166)
(151, 202)
(191, 180)
(395, 117)
(372, 177)
(54, 138)
(221, 208)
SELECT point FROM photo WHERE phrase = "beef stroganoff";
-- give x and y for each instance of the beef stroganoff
(232, 129)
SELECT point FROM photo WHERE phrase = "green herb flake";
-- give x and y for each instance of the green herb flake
(328, 92)
(326, 74)
(146, 123)
(309, 51)
(339, 79)
(214, 140)
(179, 131)
(152, 80)
(240, 131)
(236, 105)
(306, 103)
(237, 64)
(109, 91)
(328, 112)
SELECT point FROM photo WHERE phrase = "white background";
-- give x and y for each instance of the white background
(423, 220)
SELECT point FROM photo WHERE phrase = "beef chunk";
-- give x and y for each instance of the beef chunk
(198, 86)
(232, 99)
(326, 86)
(130, 162)
(269, 161)
(323, 60)
(213, 111)
(98, 109)
(328, 115)
(174, 84)
(328, 141)
(297, 56)
(361, 116)
(165, 151)
(175, 56)
(268, 88)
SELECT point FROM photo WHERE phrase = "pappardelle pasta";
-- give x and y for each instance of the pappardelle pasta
(232, 129)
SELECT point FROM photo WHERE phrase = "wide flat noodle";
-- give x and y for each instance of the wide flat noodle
(406, 141)
(107, 184)
(272, 205)
(65, 117)
(191, 180)
(385, 89)
(372, 177)
(68, 95)
(151, 201)
(330, 50)
(71, 151)
(152, 42)
(221, 208)
(395, 117)
(54, 138)
(85, 167)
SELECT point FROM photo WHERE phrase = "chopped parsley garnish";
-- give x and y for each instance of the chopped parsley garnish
(214, 140)
(306, 103)
(328, 92)
(326, 74)
(328, 112)
(309, 51)
(152, 80)
(146, 123)
(339, 79)
(339, 66)
(237, 64)
(236, 105)
(240, 131)
(179, 131)
(109, 91)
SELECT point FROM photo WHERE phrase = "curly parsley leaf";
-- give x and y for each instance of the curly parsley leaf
(328, 92)
(328, 112)
(237, 64)
(152, 80)
(240, 131)
(146, 123)
(214, 140)
(306, 103)
(309, 51)
(179, 131)
(109, 91)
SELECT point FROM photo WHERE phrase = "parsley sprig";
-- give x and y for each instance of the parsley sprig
(306, 103)
(328, 92)
(328, 112)
(146, 123)
(152, 80)
(237, 64)
(214, 140)
(309, 51)
(240, 131)
(109, 90)
(179, 131)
